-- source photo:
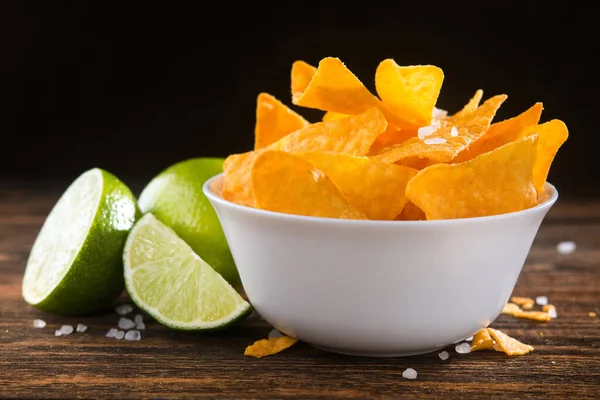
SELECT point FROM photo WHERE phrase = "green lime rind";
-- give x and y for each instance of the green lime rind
(175, 197)
(166, 279)
(94, 277)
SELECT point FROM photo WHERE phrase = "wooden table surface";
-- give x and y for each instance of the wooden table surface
(170, 364)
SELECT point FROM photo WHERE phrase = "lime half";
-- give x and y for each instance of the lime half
(165, 278)
(75, 265)
(175, 197)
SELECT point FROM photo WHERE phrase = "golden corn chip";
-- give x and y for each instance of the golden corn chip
(482, 341)
(502, 132)
(302, 74)
(332, 116)
(508, 345)
(266, 347)
(237, 185)
(592, 314)
(511, 309)
(470, 106)
(525, 302)
(390, 137)
(517, 312)
(333, 87)
(375, 188)
(274, 120)
(286, 183)
(493, 183)
(451, 138)
(552, 135)
(411, 213)
(353, 135)
(409, 92)
(540, 316)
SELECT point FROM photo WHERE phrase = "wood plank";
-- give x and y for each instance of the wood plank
(166, 363)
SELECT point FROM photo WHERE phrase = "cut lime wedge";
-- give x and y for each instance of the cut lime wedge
(165, 278)
(75, 265)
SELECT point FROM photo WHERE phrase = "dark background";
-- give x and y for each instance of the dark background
(135, 87)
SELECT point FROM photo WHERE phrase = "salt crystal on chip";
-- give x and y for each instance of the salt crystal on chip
(409, 373)
(454, 132)
(438, 113)
(425, 131)
(435, 140)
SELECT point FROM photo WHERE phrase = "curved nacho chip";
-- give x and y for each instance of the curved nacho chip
(274, 120)
(352, 135)
(502, 132)
(283, 182)
(482, 341)
(409, 92)
(470, 106)
(508, 345)
(375, 188)
(497, 182)
(333, 87)
(552, 135)
(237, 185)
(450, 139)
(302, 74)
(266, 347)
(332, 116)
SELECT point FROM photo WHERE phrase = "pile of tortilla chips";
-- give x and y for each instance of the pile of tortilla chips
(390, 156)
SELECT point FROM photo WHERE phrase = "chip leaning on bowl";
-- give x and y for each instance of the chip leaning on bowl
(394, 156)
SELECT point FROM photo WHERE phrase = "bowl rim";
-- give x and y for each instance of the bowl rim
(550, 191)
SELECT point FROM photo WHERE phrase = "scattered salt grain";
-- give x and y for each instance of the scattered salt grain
(409, 373)
(126, 323)
(541, 300)
(66, 329)
(463, 348)
(140, 326)
(425, 131)
(444, 355)
(275, 334)
(138, 318)
(469, 339)
(454, 132)
(123, 309)
(58, 332)
(39, 323)
(566, 247)
(81, 328)
(552, 312)
(434, 140)
(133, 335)
(120, 335)
(112, 332)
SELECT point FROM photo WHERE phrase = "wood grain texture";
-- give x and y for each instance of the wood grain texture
(169, 364)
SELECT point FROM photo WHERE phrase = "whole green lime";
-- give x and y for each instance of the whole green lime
(175, 198)
(75, 265)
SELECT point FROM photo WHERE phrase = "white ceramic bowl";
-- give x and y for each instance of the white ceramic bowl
(378, 288)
